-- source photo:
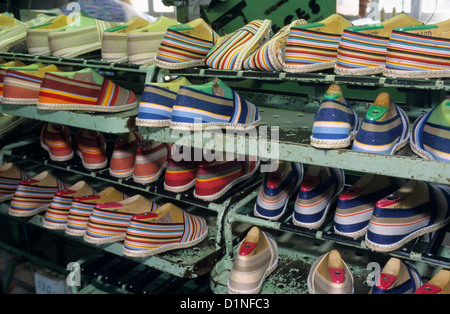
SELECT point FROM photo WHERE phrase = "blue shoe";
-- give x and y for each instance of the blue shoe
(320, 187)
(335, 123)
(384, 129)
(277, 189)
(430, 136)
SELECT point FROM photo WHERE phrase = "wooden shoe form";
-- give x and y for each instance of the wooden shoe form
(439, 284)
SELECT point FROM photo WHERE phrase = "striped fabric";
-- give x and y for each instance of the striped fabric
(320, 187)
(57, 141)
(230, 53)
(417, 56)
(121, 163)
(180, 176)
(21, 87)
(417, 208)
(150, 162)
(90, 146)
(10, 177)
(155, 108)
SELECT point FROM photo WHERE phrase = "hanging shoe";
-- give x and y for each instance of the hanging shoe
(329, 274)
(362, 49)
(355, 205)
(82, 206)
(256, 258)
(10, 177)
(320, 187)
(121, 163)
(384, 129)
(90, 146)
(57, 141)
(313, 47)
(439, 284)
(397, 277)
(230, 51)
(429, 136)
(277, 189)
(151, 161)
(108, 222)
(164, 229)
(57, 213)
(335, 123)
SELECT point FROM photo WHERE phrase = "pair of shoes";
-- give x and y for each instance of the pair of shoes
(384, 129)
(136, 41)
(144, 160)
(192, 107)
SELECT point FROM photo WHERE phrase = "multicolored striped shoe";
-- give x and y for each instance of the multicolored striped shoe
(384, 129)
(180, 176)
(430, 137)
(212, 104)
(155, 107)
(82, 207)
(165, 229)
(355, 205)
(320, 187)
(186, 45)
(90, 146)
(83, 90)
(109, 222)
(121, 163)
(57, 213)
(269, 57)
(256, 258)
(419, 51)
(439, 284)
(230, 51)
(362, 49)
(10, 177)
(151, 161)
(335, 123)
(34, 195)
(215, 178)
(397, 277)
(313, 47)
(57, 141)
(277, 188)
(415, 209)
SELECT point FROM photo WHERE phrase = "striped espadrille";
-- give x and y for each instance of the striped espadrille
(57, 141)
(151, 161)
(90, 146)
(10, 177)
(121, 163)
(180, 176)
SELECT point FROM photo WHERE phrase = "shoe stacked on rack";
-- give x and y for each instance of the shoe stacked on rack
(180, 176)
(90, 146)
(438, 284)
(121, 164)
(57, 141)
(10, 177)
(151, 161)
(16, 65)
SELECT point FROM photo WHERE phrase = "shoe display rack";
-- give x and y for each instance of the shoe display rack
(287, 103)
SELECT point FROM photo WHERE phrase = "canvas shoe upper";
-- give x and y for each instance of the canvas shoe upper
(151, 161)
(181, 175)
(10, 177)
(121, 163)
(16, 66)
(90, 146)
(57, 141)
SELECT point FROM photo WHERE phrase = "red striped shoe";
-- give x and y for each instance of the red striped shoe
(91, 148)
(121, 164)
(151, 161)
(180, 176)
(56, 139)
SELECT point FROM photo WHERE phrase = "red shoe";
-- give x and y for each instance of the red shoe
(91, 147)
(122, 160)
(151, 161)
(56, 139)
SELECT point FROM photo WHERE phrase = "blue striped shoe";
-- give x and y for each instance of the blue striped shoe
(335, 123)
(430, 136)
(213, 104)
(320, 187)
(355, 205)
(384, 129)
(277, 189)
(155, 108)
(415, 209)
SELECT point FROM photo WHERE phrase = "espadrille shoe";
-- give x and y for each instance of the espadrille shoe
(35, 194)
(355, 205)
(164, 229)
(82, 206)
(121, 163)
(232, 50)
(180, 176)
(329, 274)
(108, 222)
(256, 258)
(415, 209)
(362, 49)
(430, 136)
(384, 129)
(270, 56)
(185, 45)
(215, 178)
(57, 141)
(320, 187)
(5, 67)
(277, 189)
(419, 51)
(397, 277)
(57, 212)
(82, 36)
(151, 161)
(438, 284)
(10, 177)
(143, 43)
(83, 90)
(335, 123)
(155, 107)
(212, 104)
(313, 47)
(90, 146)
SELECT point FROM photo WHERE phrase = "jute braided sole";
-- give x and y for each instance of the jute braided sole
(183, 126)
(180, 189)
(105, 240)
(177, 66)
(54, 226)
(27, 213)
(417, 74)
(75, 233)
(309, 68)
(19, 101)
(332, 144)
(359, 71)
(83, 107)
(152, 123)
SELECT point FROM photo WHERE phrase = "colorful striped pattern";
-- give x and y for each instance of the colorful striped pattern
(57, 140)
(8, 185)
(91, 148)
(121, 163)
(232, 51)
(21, 88)
(150, 162)
(414, 55)
(180, 176)
(155, 108)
